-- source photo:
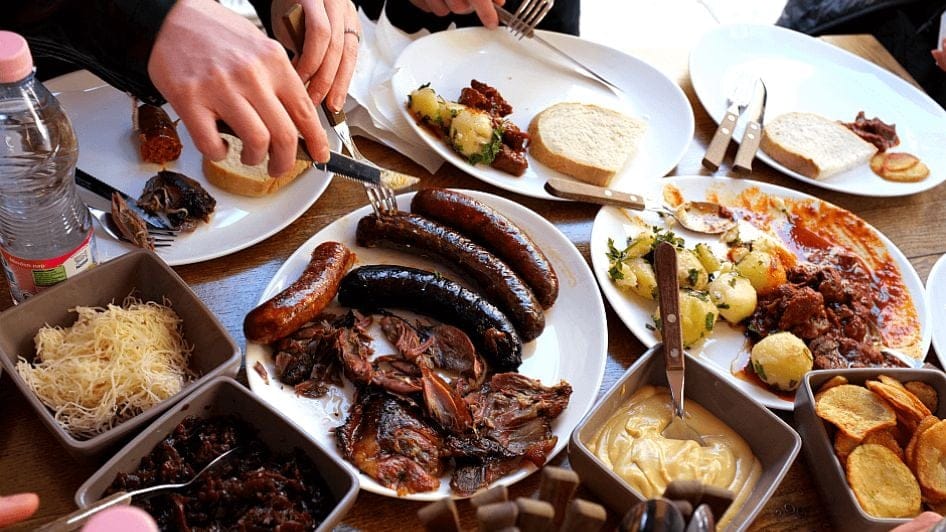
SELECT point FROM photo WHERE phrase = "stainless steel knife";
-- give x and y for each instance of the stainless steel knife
(345, 166)
(751, 138)
(104, 190)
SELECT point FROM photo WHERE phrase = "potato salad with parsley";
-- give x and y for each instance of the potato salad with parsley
(711, 287)
(474, 126)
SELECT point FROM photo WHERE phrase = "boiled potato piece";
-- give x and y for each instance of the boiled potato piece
(733, 295)
(471, 131)
(697, 316)
(707, 258)
(781, 360)
(425, 103)
(641, 244)
(638, 277)
(690, 271)
(763, 270)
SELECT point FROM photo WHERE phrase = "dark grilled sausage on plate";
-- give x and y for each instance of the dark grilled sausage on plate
(498, 282)
(378, 287)
(494, 231)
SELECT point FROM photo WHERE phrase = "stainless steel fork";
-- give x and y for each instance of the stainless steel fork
(161, 238)
(527, 17)
(382, 198)
(523, 23)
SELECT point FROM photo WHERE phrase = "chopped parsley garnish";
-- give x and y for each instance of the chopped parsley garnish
(710, 321)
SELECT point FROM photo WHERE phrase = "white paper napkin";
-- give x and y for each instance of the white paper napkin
(372, 109)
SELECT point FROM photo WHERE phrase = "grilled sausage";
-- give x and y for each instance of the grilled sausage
(372, 288)
(498, 282)
(157, 135)
(494, 231)
(304, 299)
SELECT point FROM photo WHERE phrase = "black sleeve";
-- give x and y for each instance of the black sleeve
(563, 17)
(111, 38)
(264, 12)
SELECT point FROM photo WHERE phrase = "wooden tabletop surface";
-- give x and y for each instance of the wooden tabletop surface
(31, 460)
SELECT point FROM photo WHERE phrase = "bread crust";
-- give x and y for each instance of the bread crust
(581, 170)
(235, 177)
(789, 159)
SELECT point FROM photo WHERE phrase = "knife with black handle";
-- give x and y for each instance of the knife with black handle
(104, 190)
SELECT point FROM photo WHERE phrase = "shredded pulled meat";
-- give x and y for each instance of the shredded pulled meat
(387, 438)
(183, 200)
(828, 303)
(875, 131)
(254, 490)
(407, 423)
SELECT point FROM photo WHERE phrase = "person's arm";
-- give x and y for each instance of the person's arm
(111, 38)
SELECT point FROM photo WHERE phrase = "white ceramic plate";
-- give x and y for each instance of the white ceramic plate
(727, 344)
(531, 78)
(573, 346)
(108, 149)
(936, 295)
(802, 73)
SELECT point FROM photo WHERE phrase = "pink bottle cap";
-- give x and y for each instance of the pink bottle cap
(121, 519)
(15, 60)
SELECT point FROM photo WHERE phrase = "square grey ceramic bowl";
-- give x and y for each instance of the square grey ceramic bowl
(773, 442)
(147, 276)
(225, 396)
(818, 435)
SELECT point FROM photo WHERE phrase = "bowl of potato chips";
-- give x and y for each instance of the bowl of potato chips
(876, 440)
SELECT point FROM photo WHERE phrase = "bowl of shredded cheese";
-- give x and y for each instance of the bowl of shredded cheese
(108, 350)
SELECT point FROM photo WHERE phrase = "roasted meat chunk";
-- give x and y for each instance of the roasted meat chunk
(387, 438)
(180, 198)
(512, 423)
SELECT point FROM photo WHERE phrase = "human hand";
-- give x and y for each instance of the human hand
(921, 523)
(484, 9)
(940, 56)
(327, 59)
(16, 508)
(212, 64)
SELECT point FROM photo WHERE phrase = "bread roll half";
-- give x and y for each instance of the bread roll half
(587, 142)
(233, 176)
(814, 146)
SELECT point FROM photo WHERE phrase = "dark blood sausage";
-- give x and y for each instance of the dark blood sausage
(498, 282)
(304, 299)
(372, 288)
(494, 231)
(157, 135)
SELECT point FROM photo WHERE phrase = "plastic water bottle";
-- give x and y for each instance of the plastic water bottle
(45, 230)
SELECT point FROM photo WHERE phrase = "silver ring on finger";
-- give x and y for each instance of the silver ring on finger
(356, 33)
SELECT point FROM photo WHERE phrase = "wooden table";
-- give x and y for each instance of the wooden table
(31, 460)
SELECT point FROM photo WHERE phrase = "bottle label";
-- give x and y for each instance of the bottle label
(28, 277)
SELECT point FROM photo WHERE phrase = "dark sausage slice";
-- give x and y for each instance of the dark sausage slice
(304, 299)
(157, 135)
(494, 231)
(372, 288)
(498, 282)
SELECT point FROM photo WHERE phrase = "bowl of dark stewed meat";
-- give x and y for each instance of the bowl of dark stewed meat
(275, 479)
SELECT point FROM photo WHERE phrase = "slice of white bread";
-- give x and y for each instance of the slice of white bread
(814, 146)
(587, 142)
(233, 176)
